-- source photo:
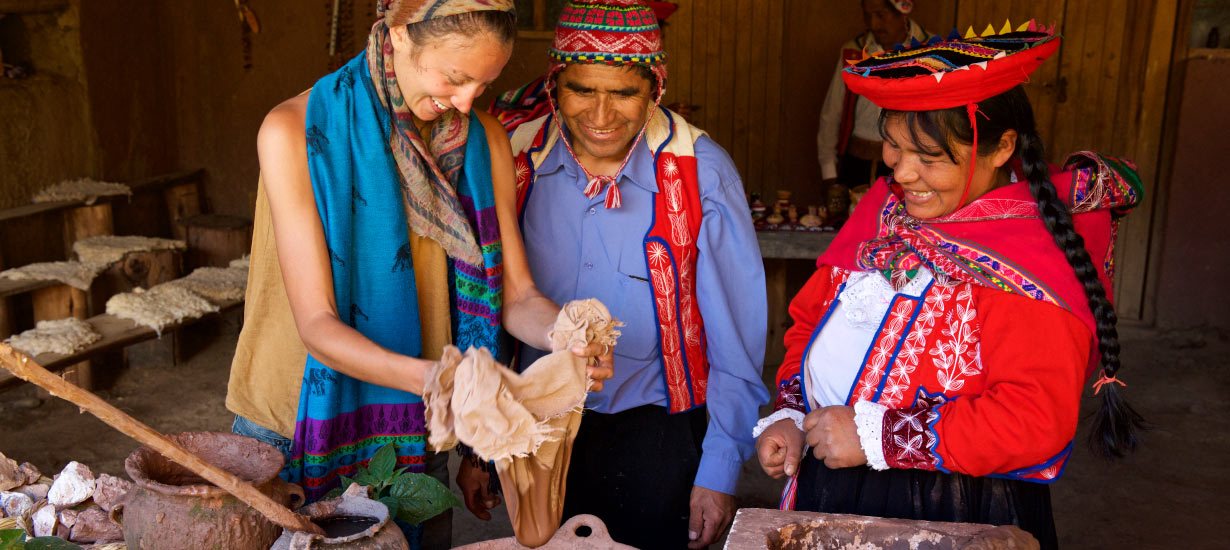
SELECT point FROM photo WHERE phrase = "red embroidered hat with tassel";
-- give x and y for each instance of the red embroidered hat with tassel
(953, 72)
(608, 32)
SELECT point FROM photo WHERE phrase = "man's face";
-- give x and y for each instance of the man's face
(885, 23)
(605, 108)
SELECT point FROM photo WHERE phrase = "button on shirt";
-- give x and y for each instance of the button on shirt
(578, 249)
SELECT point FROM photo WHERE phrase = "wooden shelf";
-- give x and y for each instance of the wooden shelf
(31, 6)
(1208, 53)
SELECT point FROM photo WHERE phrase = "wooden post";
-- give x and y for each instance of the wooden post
(87, 221)
(215, 240)
(183, 201)
(61, 302)
(137, 269)
(6, 310)
(540, 15)
(775, 287)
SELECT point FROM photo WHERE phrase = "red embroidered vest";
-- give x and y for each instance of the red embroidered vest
(670, 243)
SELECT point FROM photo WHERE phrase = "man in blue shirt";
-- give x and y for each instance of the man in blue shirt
(623, 201)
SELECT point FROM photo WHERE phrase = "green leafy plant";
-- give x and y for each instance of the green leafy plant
(411, 497)
(15, 539)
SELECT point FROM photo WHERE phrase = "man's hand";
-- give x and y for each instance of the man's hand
(600, 363)
(780, 448)
(833, 437)
(712, 513)
(474, 484)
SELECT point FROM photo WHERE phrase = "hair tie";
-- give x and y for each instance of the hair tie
(1104, 380)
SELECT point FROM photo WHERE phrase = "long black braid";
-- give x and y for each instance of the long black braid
(1116, 426)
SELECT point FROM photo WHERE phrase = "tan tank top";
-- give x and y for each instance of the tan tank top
(267, 370)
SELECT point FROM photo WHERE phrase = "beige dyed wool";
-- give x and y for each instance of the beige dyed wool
(242, 262)
(159, 306)
(500, 413)
(524, 422)
(62, 336)
(216, 284)
(84, 189)
(72, 273)
(108, 249)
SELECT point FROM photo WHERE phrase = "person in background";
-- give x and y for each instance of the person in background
(624, 201)
(849, 137)
(939, 352)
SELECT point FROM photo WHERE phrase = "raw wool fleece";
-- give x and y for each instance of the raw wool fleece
(159, 306)
(525, 422)
(62, 336)
(108, 249)
(79, 275)
(217, 284)
(84, 189)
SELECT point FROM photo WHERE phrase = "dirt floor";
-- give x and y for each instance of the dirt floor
(1173, 493)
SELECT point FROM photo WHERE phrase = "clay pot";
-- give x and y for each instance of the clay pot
(171, 507)
(814, 217)
(354, 504)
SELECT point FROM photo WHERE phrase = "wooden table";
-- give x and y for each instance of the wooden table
(781, 251)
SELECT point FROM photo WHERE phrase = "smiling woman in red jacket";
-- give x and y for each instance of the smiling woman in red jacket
(939, 352)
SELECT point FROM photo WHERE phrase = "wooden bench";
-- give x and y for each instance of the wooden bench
(116, 334)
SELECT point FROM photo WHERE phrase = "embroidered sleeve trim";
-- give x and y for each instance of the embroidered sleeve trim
(869, 418)
(790, 396)
(778, 415)
(909, 438)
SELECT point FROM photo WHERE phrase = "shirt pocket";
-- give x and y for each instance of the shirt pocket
(633, 304)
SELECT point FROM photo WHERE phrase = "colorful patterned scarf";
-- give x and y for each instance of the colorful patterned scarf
(998, 240)
(372, 174)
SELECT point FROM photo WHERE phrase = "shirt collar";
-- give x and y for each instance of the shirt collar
(639, 170)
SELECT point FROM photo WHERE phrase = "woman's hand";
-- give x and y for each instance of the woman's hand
(833, 437)
(600, 363)
(780, 448)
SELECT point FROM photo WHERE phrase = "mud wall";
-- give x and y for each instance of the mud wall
(47, 131)
(1191, 289)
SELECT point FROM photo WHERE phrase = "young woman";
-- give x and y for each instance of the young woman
(939, 352)
(385, 230)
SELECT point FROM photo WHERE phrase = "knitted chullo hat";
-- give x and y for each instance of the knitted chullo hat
(953, 72)
(609, 32)
(617, 33)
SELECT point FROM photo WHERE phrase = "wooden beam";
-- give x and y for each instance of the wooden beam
(148, 184)
(540, 15)
(31, 6)
(1138, 237)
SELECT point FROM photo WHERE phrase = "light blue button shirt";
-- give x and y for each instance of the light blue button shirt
(578, 249)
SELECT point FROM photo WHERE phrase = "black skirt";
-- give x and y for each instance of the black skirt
(924, 495)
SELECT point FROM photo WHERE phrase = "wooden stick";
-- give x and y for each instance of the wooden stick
(25, 368)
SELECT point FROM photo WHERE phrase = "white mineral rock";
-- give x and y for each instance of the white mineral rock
(15, 504)
(44, 520)
(74, 484)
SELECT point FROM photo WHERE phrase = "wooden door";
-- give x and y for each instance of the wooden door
(1104, 91)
